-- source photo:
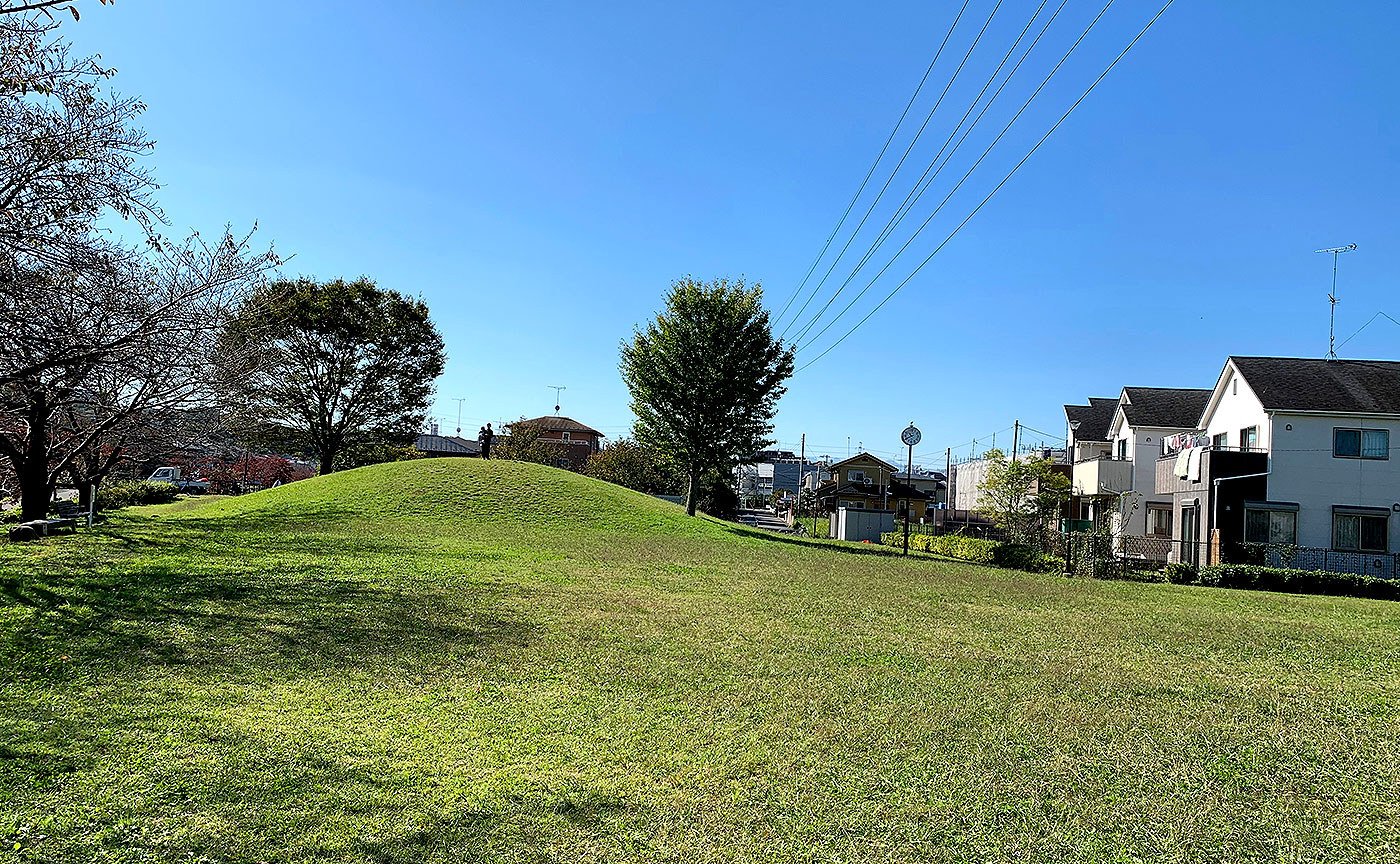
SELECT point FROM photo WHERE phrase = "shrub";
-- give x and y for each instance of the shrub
(114, 496)
(1178, 573)
(1259, 578)
(1015, 556)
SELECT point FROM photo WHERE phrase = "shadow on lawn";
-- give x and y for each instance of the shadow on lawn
(813, 543)
(272, 600)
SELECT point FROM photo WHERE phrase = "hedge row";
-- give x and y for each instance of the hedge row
(1258, 578)
(114, 496)
(997, 553)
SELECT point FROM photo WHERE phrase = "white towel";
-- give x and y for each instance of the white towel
(1182, 461)
(1193, 465)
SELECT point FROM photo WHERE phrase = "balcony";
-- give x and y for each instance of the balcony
(1103, 476)
(1216, 463)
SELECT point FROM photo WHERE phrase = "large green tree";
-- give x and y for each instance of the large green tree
(705, 377)
(336, 363)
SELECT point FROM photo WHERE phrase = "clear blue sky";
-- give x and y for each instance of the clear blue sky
(539, 173)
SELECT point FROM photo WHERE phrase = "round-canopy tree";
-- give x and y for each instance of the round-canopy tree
(706, 377)
(336, 363)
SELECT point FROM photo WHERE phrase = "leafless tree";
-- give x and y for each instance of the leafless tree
(91, 361)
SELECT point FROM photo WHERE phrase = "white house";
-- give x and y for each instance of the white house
(1142, 420)
(1327, 427)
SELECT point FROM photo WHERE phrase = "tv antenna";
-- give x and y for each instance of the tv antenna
(1332, 298)
(557, 391)
(459, 415)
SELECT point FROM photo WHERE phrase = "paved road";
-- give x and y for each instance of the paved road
(764, 519)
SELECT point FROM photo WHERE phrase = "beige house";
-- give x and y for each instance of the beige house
(866, 482)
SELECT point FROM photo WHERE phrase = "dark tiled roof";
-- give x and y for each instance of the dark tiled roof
(1343, 386)
(448, 445)
(562, 424)
(1169, 407)
(1094, 418)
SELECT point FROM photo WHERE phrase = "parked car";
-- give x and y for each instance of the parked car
(172, 475)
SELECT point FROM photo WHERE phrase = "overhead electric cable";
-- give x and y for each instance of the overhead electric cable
(936, 210)
(924, 181)
(874, 164)
(897, 166)
(989, 196)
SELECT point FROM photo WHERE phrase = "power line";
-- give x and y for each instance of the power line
(921, 185)
(996, 189)
(897, 166)
(925, 181)
(873, 165)
(1007, 128)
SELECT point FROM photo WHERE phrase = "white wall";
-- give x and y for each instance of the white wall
(1304, 472)
(1144, 447)
(1238, 409)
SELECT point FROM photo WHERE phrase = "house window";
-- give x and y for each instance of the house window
(1221, 441)
(1270, 523)
(1159, 521)
(856, 476)
(566, 436)
(1249, 438)
(1360, 529)
(1361, 443)
(1122, 448)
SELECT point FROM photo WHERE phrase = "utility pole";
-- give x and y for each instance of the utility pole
(1332, 298)
(801, 467)
(947, 483)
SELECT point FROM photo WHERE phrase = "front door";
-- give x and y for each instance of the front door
(1190, 534)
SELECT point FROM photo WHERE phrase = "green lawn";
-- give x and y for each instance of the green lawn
(464, 661)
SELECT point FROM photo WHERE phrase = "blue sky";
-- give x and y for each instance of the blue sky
(539, 173)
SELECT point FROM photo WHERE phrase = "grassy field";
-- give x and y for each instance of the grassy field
(462, 661)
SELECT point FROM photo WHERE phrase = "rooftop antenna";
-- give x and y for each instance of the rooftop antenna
(557, 391)
(1332, 298)
(459, 416)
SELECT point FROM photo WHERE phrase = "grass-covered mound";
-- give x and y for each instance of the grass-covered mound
(455, 660)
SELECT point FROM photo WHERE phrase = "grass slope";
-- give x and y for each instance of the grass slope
(465, 661)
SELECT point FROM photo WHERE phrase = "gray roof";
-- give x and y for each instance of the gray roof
(1165, 407)
(1341, 386)
(1094, 418)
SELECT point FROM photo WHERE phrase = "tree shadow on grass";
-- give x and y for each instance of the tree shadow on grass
(819, 545)
(295, 600)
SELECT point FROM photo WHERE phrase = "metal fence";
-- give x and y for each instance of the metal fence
(1384, 565)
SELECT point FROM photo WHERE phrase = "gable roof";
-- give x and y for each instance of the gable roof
(1094, 418)
(562, 424)
(1337, 386)
(1164, 407)
(862, 457)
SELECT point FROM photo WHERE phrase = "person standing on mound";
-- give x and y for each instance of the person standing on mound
(485, 437)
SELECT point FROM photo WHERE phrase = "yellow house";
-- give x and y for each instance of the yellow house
(866, 482)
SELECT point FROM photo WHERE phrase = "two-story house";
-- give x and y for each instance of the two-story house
(575, 441)
(1317, 435)
(866, 482)
(1121, 486)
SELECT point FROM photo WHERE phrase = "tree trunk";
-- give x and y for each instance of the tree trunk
(33, 474)
(327, 461)
(690, 494)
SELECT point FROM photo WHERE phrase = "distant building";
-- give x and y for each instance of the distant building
(433, 445)
(575, 441)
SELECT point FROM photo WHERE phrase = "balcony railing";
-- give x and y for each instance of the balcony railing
(1106, 475)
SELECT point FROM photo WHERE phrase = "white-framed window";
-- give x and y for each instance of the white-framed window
(1122, 448)
(1249, 438)
(1360, 529)
(1159, 521)
(566, 435)
(1270, 522)
(856, 476)
(1361, 443)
